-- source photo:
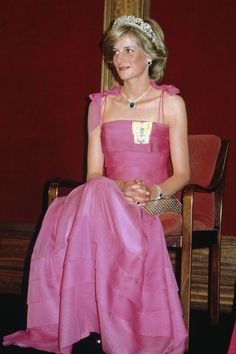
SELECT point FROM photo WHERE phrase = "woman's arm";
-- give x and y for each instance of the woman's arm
(176, 118)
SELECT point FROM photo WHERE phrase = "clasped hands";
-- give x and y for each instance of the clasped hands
(135, 191)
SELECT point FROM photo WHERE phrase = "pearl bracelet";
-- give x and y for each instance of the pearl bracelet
(159, 192)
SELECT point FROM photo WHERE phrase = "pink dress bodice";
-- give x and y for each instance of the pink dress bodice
(127, 160)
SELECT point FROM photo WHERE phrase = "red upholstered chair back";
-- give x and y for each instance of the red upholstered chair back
(203, 153)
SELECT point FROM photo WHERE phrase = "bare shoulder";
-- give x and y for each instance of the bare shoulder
(173, 101)
(111, 100)
(107, 103)
(174, 109)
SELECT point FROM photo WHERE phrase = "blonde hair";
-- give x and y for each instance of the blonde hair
(157, 50)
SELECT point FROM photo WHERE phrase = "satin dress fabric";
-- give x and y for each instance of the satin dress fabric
(100, 264)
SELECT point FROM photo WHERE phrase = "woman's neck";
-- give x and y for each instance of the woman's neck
(135, 88)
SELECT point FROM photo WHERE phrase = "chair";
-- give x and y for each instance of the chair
(200, 224)
(201, 220)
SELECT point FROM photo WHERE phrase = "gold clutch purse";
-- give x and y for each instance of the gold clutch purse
(164, 205)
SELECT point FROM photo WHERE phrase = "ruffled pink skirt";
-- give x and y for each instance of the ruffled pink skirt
(101, 265)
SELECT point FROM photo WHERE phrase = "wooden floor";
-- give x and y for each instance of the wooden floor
(204, 339)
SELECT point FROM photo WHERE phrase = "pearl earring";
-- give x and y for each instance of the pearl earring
(149, 63)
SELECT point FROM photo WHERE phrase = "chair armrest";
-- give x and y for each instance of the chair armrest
(188, 201)
(187, 198)
(60, 187)
(212, 187)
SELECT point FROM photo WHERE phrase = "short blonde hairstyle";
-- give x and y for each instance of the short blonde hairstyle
(155, 50)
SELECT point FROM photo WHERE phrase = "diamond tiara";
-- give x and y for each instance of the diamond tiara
(138, 23)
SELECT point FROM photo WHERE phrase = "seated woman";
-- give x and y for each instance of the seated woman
(100, 263)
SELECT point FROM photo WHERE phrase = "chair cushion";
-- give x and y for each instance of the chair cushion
(171, 223)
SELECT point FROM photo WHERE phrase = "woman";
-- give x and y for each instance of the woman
(100, 263)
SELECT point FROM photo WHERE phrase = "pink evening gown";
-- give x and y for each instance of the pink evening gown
(100, 264)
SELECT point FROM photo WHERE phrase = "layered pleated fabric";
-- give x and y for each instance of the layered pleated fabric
(97, 271)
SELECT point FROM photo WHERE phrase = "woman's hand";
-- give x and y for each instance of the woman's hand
(135, 191)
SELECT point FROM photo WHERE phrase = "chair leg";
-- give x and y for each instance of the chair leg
(214, 284)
